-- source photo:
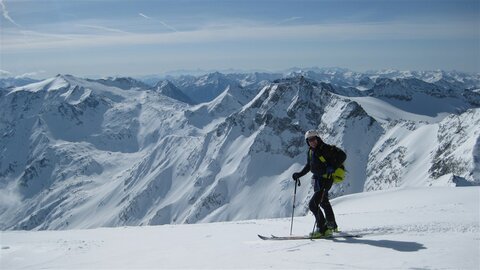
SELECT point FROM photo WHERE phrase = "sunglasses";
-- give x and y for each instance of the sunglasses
(312, 139)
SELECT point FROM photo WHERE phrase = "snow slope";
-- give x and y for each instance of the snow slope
(423, 228)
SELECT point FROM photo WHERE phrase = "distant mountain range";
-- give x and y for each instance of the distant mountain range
(9, 82)
(84, 153)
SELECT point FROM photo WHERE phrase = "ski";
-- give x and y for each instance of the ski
(306, 237)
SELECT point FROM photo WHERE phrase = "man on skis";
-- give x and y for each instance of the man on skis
(323, 160)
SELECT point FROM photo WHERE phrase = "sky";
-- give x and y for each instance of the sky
(42, 38)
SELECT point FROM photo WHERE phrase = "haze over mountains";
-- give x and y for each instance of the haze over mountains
(85, 153)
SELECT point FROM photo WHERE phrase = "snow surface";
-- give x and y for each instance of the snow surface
(416, 228)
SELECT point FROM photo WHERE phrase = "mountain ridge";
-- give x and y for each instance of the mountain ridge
(139, 157)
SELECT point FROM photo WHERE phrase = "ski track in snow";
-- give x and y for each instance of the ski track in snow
(438, 229)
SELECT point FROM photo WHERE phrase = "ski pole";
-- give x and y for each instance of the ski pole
(313, 229)
(294, 197)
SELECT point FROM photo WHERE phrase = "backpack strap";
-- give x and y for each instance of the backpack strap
(310, 155)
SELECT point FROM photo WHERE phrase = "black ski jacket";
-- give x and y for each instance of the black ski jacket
(321, 157)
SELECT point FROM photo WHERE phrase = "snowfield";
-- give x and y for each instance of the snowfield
(416, 228)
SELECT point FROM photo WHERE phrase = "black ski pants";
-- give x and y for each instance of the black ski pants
(320, 199)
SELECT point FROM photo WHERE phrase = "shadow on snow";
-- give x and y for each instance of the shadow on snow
(403, 246)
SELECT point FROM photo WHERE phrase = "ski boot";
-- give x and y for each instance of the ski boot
(332, 225)
(319, 234)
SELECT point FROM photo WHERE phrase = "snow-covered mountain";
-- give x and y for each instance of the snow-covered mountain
(168, 89)
(124, 83)
(346, 78)
(81, 153)
(15, 81)
(204, 88)
(345, 81)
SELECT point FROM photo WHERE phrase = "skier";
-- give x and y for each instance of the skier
(322, 161)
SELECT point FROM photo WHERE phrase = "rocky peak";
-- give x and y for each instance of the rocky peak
(168, 89)
(406, 88)
(125, 83)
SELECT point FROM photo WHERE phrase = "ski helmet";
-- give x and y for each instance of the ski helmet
(311, 133)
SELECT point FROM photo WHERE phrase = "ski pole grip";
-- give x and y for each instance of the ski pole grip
(298, 181)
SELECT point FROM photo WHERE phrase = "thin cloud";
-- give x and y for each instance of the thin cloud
(291, 19)
(96, 27)
(35, 35)
(30, 74)
(4, 73)
(161, 22)
(313, 33)
(5, 14)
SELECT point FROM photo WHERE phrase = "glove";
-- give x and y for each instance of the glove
(296, 176)
(330, 170)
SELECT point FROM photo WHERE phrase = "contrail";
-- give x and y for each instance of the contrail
(163, 23)
(145, 16)
(5, 14)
